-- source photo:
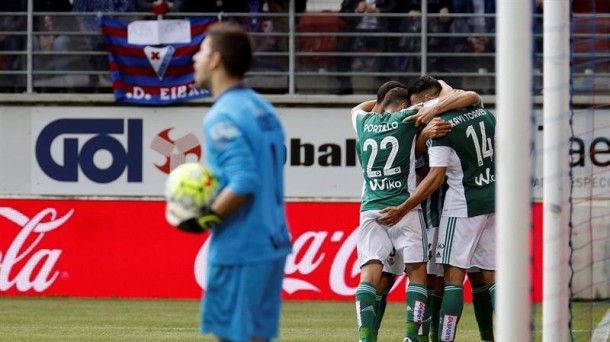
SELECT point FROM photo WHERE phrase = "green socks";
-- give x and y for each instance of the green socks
(365, 310)
(380, 303)
(492, 293)
(417, 295)
(424, 329)
(483, 311)
(451, 311)
(435, 308)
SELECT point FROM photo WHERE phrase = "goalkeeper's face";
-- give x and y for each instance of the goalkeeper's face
(203, 64)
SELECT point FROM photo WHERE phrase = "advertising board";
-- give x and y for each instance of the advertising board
(122, 151)
(91, 248)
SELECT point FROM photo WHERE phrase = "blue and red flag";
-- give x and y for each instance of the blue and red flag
(153, 74)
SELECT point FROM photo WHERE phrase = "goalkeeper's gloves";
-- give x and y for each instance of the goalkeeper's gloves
(206, 220)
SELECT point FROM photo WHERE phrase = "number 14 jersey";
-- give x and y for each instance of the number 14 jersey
(386, 150)
(468, 153)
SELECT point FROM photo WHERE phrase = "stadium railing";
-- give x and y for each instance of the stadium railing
(301, 56)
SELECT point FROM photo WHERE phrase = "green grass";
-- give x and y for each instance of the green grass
(70, 319)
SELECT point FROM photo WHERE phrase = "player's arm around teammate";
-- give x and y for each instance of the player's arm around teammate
(377, 246)
(387, 278)
(436, 128)
(432, 104)
(448, 99)
(468, 219)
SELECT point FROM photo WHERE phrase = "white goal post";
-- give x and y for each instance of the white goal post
(513, 198)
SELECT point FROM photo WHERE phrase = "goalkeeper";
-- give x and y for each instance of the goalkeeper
(244, 147)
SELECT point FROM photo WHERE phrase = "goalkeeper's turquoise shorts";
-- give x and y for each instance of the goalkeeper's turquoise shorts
(243, 301)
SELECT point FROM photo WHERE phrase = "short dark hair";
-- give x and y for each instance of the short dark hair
(426, 85)
(395, 95)
(234, 45)
(389, 85)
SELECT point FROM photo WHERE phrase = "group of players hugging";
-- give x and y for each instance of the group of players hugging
(428, 207)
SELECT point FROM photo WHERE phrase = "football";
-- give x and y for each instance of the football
(189, 188)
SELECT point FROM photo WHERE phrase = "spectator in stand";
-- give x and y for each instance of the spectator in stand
(51, 38)
(440, 22)
(365, 24)
(480, 22)
(475, 31)
(596, 6)
(160, 7)
(90, 25)
(52, 6)
(9, 42)
(279, 24)
(217, 7)
(264, 28)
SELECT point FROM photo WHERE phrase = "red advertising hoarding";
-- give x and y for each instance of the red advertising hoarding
(97, 248)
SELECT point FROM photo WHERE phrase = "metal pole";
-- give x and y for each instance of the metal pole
(29, 48)
(513, 201)
(291, 47)
(555, 294)
(424, 37)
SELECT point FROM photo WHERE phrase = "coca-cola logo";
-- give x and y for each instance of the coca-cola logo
(24, 265)
(312, 251)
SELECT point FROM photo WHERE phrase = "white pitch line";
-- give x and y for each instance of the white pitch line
(602, 331)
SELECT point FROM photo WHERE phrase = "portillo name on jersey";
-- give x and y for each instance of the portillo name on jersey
(380, 128)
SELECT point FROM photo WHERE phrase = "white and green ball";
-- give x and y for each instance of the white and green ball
(189, 188)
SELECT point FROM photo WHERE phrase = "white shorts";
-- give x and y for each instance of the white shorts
(433, 268)
(467, 242)
(405, 242)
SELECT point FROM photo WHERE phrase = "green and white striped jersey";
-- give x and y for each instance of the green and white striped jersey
(468, 153)
(386, 150)
(432, 207)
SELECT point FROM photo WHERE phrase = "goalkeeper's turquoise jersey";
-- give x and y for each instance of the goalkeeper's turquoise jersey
(244, 147)
(386, 149)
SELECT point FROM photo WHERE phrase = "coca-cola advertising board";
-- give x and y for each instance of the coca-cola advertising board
(97, 248)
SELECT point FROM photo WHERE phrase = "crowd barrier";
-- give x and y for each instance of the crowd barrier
(316, 52)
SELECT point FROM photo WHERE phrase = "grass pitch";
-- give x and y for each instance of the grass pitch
(71, 319)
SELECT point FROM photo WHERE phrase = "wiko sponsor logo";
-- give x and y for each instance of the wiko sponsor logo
(81, 141)
(448, 327)
(24, 265)
(384, 184)
(485, 178)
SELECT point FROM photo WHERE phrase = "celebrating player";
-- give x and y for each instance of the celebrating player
(244, 146)
(466, 157)
(385, 147)
(432, 209)
(387, 279)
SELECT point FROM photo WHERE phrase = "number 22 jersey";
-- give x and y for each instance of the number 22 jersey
(386, 150)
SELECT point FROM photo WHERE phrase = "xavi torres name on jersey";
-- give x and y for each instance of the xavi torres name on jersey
(466, 117)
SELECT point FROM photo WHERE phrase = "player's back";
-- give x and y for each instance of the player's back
(471, 170)
(247, 139)
(385, 148)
